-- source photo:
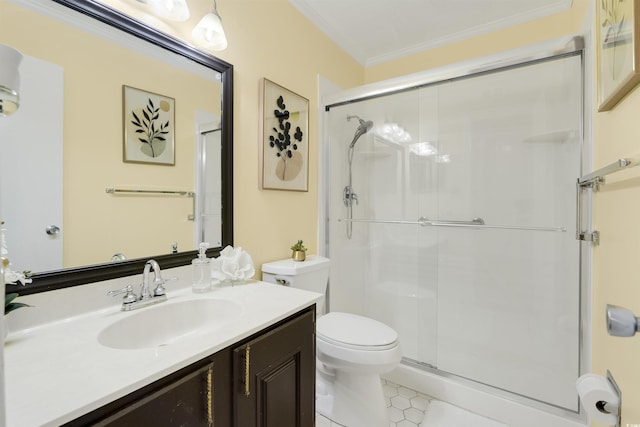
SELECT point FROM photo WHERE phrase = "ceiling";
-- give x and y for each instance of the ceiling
(376, 31)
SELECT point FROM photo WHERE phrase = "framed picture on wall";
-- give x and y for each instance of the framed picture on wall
(149, 127)
(284, 129)
(617, 45)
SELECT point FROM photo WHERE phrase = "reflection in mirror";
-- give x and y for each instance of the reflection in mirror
(72, 197)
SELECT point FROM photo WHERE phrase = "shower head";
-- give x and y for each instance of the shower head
(363, 127)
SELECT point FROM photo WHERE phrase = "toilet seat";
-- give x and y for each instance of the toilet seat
(356, 343)
(355, 346)
(355, 332)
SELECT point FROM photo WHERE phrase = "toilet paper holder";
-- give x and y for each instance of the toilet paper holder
(600, 398)
(608, 408)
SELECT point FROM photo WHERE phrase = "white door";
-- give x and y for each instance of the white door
(31, 185)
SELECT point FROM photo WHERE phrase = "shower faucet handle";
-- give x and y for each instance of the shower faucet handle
(348, 196)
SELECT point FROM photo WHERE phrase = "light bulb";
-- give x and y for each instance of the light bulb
(209, 32)
(173, 10)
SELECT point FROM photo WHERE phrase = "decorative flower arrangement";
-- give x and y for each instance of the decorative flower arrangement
(11, 277)
(299, 247)
(233, 264)
(299, 251)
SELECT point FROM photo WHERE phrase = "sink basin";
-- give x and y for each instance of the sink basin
(168, 322)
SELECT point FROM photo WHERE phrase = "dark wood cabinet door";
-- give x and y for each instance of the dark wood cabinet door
(197, 395)
(275, 376)
(186, 402)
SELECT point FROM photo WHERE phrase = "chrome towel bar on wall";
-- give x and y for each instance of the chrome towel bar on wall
(592, 181)
(191, 194)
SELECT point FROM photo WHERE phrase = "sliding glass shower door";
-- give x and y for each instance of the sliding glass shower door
(463, 233)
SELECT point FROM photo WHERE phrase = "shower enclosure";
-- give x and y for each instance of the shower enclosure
(462, 233)
(208, 207)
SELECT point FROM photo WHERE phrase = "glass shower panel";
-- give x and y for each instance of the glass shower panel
(384, 268)
(508, 298)
(424, 161)
(494, 295)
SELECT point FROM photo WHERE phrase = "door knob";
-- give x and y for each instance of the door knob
(53, 230)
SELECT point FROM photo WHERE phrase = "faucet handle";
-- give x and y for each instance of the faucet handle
(160, 290)
(129, 296)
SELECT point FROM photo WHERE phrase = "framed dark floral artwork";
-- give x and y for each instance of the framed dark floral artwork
(284, 128)
(617, 46)
(149, 127)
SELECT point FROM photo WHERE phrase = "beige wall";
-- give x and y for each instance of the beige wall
(617, 259)
(272, 39)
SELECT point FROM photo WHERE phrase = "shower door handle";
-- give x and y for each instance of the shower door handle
(423, 221)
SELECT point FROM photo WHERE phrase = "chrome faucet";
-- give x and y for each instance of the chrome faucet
(131, 302)
(158, 281)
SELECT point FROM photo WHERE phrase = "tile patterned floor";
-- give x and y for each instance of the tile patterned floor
(405, 407)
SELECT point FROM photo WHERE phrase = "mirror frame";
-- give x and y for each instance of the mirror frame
(58, 279)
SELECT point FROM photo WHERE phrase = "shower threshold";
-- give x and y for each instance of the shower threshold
(488, 401)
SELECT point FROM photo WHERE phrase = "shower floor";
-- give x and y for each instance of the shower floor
(409, 408)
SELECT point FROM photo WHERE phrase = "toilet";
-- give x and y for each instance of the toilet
(351, 350)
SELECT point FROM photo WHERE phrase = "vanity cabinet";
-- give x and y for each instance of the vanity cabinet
(265, 380)
(275, 377)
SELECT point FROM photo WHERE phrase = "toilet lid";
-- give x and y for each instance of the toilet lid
(353, 330)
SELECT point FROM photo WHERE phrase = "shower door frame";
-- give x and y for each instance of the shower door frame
(554, 49)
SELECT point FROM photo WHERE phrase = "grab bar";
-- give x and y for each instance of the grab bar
(191, 194)
(474, 223)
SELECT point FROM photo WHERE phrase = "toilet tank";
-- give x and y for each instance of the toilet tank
(310, 275)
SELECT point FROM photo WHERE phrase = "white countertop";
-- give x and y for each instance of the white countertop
(58, 371)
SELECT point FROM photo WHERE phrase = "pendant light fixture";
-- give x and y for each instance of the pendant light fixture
(209, 33)
(173, 10)
(9, 80)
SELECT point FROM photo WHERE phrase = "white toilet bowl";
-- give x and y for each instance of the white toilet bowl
(352, 351)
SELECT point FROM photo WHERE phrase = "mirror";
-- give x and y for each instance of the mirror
(90, 133)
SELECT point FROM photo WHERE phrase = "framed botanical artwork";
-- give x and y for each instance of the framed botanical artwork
(149, 125)
(617, 50)
(284, 148)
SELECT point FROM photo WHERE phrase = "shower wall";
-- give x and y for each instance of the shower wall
(496, 303)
